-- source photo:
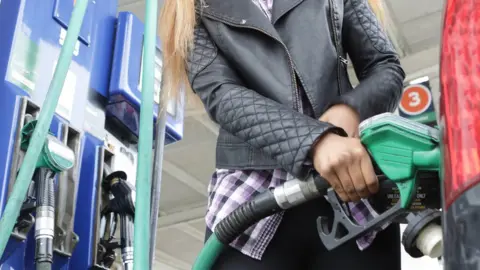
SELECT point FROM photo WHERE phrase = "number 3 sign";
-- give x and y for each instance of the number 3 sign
(416, 99)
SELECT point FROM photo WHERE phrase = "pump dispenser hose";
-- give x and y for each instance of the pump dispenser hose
(44, 266)
(290, 194)
(126, 230)
(45, 218)
(25, 174)
(233, 225)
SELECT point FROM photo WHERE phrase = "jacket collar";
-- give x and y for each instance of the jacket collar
(246, 13)
(281, 7)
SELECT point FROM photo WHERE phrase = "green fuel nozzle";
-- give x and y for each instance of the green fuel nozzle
(55, 155)
(401, 148)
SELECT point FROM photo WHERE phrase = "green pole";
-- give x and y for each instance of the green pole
(145, 142)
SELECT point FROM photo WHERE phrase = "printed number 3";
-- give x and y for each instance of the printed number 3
(414, 99)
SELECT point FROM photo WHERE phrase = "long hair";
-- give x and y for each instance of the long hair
(176, 24)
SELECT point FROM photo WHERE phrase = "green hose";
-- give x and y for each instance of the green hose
(143, 184)
(25, 174)
(207, 257)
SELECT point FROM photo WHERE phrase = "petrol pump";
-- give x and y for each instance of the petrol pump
(113, 155)
(84, 181)
(31, 41)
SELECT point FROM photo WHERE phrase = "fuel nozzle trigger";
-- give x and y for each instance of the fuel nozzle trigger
(336, 232)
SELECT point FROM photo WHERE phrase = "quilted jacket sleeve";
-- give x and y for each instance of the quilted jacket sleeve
(277, 130)
(375, 61)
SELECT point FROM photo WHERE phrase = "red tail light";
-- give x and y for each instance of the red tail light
(460, 97)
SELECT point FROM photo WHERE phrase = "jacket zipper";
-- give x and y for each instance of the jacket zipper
(297, 104)
(334, 32)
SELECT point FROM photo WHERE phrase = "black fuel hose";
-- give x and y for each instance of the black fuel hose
(246, 215)
(288, 195)
(264, 205)
(126, 240)
(45, 218)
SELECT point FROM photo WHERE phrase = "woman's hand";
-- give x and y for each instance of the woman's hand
(346, 165)
(343, 116)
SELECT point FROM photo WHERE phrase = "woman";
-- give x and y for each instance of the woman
(273, 75)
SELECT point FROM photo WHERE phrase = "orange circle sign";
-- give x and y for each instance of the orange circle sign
(416, 99)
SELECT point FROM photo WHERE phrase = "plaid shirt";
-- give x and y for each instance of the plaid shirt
(229, 189)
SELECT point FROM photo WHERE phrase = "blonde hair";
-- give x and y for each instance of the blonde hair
(176, 24)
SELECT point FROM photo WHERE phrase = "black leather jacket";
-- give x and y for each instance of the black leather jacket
(251, 73)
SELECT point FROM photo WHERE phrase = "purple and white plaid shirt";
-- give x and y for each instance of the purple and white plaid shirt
(229, 189)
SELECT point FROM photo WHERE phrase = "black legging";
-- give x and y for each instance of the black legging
(297, 246)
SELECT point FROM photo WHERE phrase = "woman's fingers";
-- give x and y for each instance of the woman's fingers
(371, 180)
(347, 183)
(346, 165)
(329, 174)
(358, 180)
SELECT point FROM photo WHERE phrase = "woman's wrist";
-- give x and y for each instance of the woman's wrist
(332, 131)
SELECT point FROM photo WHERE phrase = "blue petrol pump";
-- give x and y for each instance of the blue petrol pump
(32, 37)
(125, 84)
(96, 119)
(116, 152)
